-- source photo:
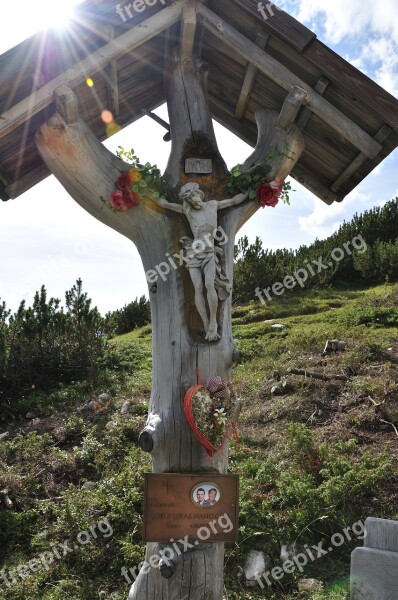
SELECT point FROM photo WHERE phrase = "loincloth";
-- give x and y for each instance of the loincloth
(199, 260)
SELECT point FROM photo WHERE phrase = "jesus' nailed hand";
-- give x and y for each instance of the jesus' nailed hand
(204, 266)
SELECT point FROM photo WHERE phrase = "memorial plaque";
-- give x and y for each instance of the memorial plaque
(202, 507)
(198, 165)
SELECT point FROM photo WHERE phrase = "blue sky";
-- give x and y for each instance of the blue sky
(45, 237)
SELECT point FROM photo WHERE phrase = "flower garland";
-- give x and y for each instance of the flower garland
(145, 181)
(141, 181)
(254, 182)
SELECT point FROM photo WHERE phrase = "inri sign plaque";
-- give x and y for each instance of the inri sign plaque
(198, 165)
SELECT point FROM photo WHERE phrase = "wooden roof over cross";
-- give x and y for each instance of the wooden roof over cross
(350, 123)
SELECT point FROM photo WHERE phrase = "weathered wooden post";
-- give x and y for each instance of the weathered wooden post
(351, 126)
(185, 337)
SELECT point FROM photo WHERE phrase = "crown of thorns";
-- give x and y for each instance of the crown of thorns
(187, 190)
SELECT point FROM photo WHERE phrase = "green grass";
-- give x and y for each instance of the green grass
(311, 462)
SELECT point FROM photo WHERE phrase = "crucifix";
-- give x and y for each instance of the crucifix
(202, 256)
(191, 308)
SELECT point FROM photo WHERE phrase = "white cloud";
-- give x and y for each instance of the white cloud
(325, 220)
(351, 18)
(373, 26)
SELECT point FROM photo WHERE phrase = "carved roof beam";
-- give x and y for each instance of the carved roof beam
(380, 137)
(306, 113)
(112, 88)
(261, 41)
(309, 181)
(291, 108)
(188, 31)
(4, 181)
(98, 61)
(225, 117)
(286, 79)
(24, 183)
(4, 178)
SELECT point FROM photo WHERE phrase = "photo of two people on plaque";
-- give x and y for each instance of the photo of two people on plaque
(206, 497)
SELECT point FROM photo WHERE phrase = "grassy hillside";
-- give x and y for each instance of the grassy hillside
(314, 458)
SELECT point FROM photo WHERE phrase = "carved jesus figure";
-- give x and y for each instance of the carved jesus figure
(202, 257)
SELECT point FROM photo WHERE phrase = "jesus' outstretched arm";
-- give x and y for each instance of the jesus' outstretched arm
(233, 201)
(163, 203)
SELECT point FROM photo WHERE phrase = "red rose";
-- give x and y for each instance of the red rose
(124, 180)
(267, 195)
(116, 199)
(136, 198)
(130, 199)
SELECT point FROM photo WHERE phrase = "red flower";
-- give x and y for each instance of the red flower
(122, 199)
(116, 199)
(268, 194)
(130, 198)
(124, 181)
(136, 199)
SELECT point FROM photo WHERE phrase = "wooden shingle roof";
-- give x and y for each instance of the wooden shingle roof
(349, 122)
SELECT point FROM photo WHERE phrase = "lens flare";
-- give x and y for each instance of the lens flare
(112, 128)
(107, 116)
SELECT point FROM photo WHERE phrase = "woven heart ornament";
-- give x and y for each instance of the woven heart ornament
(209, 411)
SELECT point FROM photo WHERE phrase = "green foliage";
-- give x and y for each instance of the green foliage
(107, 456)
(152, 181)
(373, 311)
(249, 181)
(46, 343)
(305, 492)
(380, 262)
(300, 486)
(133, 315)
(373, 257)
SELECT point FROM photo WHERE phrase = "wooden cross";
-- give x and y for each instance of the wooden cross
(187, 334)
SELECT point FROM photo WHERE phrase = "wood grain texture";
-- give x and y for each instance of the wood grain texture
(289, 145)
(291, 108)
(21, 112)
(112, 89)
(286, 79)
(306, 113)
(355, 82)
(250, 77)
(87, 170)
(303, 174)
(193, 133)
(380, 137)
(26, 70)
(188, 31)
(281, 24)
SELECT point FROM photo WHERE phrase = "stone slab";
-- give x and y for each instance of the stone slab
(381, 534)
(374, 574)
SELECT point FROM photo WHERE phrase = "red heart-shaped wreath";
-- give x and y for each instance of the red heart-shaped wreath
(209, 412)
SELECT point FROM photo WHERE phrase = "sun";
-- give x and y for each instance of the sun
(56, 14)
(24, 18)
